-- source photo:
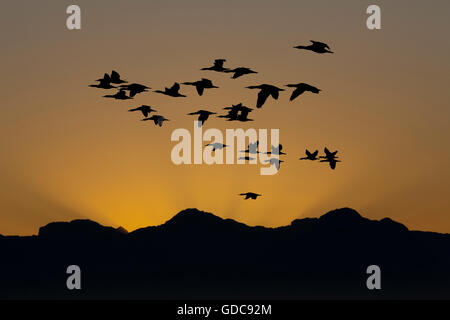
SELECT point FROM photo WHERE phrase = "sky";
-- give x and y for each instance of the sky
(68, 153)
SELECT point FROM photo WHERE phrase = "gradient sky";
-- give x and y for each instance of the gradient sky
(68, 153)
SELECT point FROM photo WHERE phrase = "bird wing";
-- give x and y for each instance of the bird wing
(238, 73)
(274, 93)
(308, 153)
(175, 87)
(115, 75)
(296, 93)
(219, 63)
(200, 89)
(327, 152)
(333, 164)
(262, 97)
(315, 153)
(144, 112)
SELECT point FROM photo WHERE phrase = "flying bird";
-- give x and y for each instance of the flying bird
(104, 83)
(300, 88)
(239, 72)
(203, 115)
(201, 85)
(310, 155)
(216, 146)
(172, 91)
(330, 157)
(144, 109)
(266, 90)
(157, 119)
(120, 95)
(250, 195)
(217, 66)
(134, 88)
(316, 46)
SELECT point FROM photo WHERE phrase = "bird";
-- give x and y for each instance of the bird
(203, 115)
(134, 88)
(274, 162)
(120, 95)
(217, 66)
(330, 157)
(250, 195)
(239, 72)
(310, 156)
(216, 146)
(300, 88)
(237, 112)
(144, 109)
(104, 83)
(157, 119)
(172, 91)
(316, 46)
(252, 147)
(276, 150)
(201, 85)
(266, 90)
(234, 110)
(115, 78)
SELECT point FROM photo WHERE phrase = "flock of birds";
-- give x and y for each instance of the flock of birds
(237, 112)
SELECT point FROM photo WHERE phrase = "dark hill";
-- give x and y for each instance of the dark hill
(199, 255)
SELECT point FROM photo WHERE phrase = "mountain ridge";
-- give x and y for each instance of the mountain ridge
(191, 216)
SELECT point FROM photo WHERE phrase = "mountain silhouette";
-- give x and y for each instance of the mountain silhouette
(197, 255)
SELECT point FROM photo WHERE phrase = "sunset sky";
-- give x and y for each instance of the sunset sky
(69, 153)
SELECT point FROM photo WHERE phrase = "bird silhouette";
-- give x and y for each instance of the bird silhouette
(172, 91)
(310, 156)
(201, 85)
(144, 109)
(104, 83)
(316, 46)
(300, 88)
(157, 119)
(120, 95)
(203, 115)
(115, 78)
(237, 112)
(330, 157)
(134, 88)
(275, 162)
(216, 146)
(239, 72)
(217, 66)
(250, 195)
(266, 90)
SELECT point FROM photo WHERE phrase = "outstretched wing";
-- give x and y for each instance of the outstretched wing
(199, 88)
(296, 93)
(219, 63)
(262, 97)
(175, 87)
(315, 153)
